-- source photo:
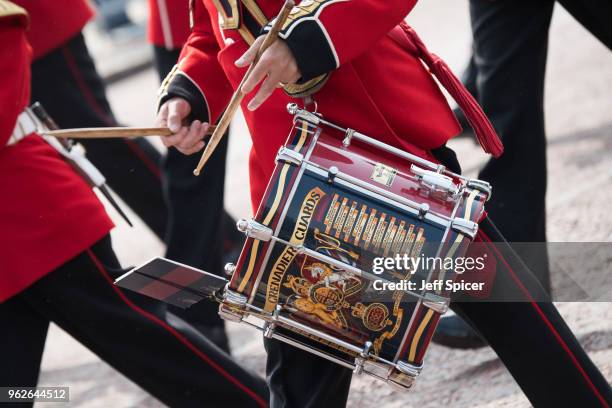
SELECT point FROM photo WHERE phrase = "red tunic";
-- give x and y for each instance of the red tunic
(48, 214)
(375, 85)
(168, 23)
(52, 22)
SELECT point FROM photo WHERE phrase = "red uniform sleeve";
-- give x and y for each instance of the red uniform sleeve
(324, 34)
(198, 76)
(14, 67)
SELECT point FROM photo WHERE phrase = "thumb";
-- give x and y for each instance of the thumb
(249, 56)
(178, 110)
(162, 116)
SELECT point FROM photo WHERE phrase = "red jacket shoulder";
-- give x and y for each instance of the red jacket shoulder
(53, 22)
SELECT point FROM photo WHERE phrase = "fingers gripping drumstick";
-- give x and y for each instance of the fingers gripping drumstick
(238, 95)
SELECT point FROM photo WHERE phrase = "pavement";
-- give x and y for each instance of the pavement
(579, 124)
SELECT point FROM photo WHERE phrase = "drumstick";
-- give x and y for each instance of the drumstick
(110, 132)
(238, 95)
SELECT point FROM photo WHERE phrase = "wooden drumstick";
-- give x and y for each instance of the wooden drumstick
(238, 95)
(111, 132)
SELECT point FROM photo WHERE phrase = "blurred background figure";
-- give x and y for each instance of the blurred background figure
(183, 211)
(506, 74)
(112, 14)
(57, 266)
(65, 80)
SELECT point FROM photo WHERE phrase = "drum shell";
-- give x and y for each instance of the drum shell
(398, 328)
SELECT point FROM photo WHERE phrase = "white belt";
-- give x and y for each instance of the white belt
(25, 126)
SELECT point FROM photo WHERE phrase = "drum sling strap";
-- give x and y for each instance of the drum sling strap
(406, 37)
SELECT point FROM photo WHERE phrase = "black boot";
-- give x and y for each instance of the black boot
(454, 332)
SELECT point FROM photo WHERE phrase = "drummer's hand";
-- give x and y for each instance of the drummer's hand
(276, 65)
(186, 139)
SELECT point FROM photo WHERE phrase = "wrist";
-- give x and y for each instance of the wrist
(181, 86)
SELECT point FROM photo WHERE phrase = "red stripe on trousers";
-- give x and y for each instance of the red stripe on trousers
(545, 320)
(176, 334)
(146, 160)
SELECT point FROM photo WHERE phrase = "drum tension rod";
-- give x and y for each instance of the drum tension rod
(331, 174)
(269, 327)
(360, 361)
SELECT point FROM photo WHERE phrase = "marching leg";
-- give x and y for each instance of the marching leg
(196, 217)
(21, 344)
(195, 235)
(531, 337)
(511, 65)
(179, 369)
(298, 379)
(593, 15)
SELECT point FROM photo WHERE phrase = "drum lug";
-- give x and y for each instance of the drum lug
(436, 303)
(423, 210)
(253, 229)
(435, 180)
(269, 327)
(465, 227)
(233, 306)
(234, 298)
(230, 314)
(348, 136)
(268, 330)
(331, 174)
(303, 114)
(289, 156)
(481, 186)
(409, 369)
(360, 361)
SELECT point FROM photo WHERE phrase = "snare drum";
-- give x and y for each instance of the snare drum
(337, 201)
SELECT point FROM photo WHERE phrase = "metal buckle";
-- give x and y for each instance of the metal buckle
(253, 229)
(465, 227)
(289, 156)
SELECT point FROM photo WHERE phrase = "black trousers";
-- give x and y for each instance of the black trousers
(200, 232)
(183, 210)
(180, 368)
(530, 337)
(506, 74)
